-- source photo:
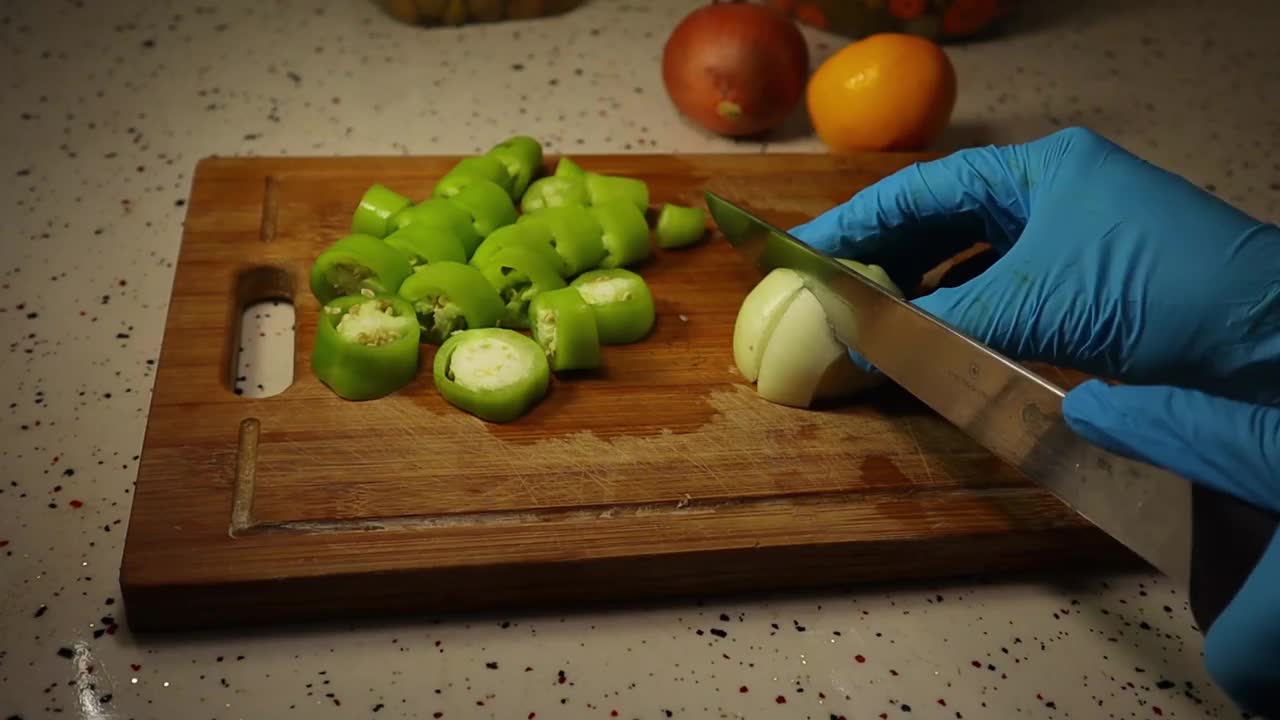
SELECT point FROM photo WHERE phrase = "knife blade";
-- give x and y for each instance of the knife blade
(1011, 411)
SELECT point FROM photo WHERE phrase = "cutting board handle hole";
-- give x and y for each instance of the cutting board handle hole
(263, 358)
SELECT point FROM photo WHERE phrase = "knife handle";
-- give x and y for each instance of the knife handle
(1228, 537)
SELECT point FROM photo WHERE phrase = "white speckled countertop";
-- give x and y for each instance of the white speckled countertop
(106, 106)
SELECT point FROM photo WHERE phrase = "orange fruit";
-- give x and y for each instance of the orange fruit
(886, 92)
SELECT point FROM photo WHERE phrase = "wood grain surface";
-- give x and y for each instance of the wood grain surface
(660, 474)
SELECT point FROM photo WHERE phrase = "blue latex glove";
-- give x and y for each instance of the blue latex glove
(1112, 266)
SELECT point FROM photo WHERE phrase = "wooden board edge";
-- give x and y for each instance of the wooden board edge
(613, 582)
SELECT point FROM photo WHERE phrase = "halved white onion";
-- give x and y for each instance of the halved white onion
(783, 342)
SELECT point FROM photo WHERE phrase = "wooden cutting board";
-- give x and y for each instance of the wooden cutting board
(662, 474)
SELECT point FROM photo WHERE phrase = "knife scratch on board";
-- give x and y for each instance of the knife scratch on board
(928, 474)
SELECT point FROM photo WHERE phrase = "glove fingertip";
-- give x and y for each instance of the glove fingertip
(1090, 412)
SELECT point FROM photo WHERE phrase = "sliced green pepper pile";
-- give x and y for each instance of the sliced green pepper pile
(513, 272)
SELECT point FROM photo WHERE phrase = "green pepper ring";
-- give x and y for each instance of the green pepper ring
(355, 371)
(468, 297)
(516, 265)
(377, 267)
(502, 404)
(619, 321)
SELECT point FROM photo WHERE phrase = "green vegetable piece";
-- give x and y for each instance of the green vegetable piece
(366, 345)
(519, 273)
(450, 296)
(565, 326)
(535, 236)
(626, 233)
(422, 244)
(470, 169)
(603, 188)
(522, 156)
(576, 236)
(488, 204)
(553, 191)
(621, 301)
(680, 226)
(378, 204)
(496, 374)
(445, 216)
(566, 167)
(357, 262)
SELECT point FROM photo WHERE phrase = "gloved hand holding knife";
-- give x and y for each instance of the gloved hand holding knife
(1110, 265)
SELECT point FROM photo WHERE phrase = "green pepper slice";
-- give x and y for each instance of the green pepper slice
(679, 226)
(554, 191)
(565, 326)
(519, 274)
(443, 215)
(522, 156)
(366, 345)
(625, 233)
(496, 374)
(377, 206)
(576, 236)
(488, 204)
(448, 297)
(621, 301)
(535, 236)
(470, 169)
(357, 262)
(422, 244)
(566, 167)
(603, 188)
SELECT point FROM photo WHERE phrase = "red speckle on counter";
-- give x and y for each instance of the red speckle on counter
(112, 628)
(884, 716)
(1039, 696)
(942, 702)
(3, 543)
(744, 689)
(533, 715)
(76, 504)
(55, 460)
(123, 283)
(135, 667)
(437, 715)
(975, 663)
(560, 677)
(822, 696)
(613, 713)
(859, 658)
(781, 700)
(1156, 709)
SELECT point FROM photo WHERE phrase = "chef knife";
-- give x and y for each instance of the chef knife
(1017, 415)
